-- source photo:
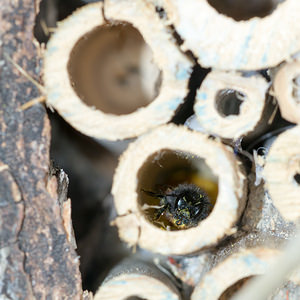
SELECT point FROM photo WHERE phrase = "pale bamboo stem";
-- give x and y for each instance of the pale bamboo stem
(221, 42)
(231, 105)
(116, 78)
(287, 91)
(148, 160)
(133, 279)
(232, 273)
(281, 172)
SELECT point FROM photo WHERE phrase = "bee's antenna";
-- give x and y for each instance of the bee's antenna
(152, 194)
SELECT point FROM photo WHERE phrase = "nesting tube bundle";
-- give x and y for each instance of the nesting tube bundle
(256, 43)
(134, 279)
(111, 75)
(282, 173)
(231, 105)
(287, 91)
(230, 275)
(161, 158)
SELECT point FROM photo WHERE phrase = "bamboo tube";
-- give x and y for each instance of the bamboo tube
(232, 273)
(287, 91)
(115, 77)
(231, 105)
(285, 270)
(223, 43)
(282, 172)
(133, 279)
(176, 153)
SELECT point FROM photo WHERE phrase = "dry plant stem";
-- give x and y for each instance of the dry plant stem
(280, 172)
(257, 43)
(287, 91)
(132, 224)
(32, 102)
(219, 116)
(133, 278)
(241, 265)
(174, 66)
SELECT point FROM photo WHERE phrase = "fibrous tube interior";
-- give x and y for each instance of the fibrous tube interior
(228, 102)
(230, 291)
(245, 10)
(111, 68)
(162, 173)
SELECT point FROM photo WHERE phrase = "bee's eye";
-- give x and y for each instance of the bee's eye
(181, 204)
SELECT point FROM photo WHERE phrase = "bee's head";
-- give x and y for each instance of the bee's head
(191, 206)
(184, 206)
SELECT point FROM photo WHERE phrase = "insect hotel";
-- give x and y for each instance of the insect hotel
(151, 150)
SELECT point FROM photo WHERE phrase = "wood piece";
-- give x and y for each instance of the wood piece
(231, 105)
(221, 42)
(140, 168)
(241, 265)
(281, 172)
(286, 87)
(134, 279)
(37, 261)
(118, 112)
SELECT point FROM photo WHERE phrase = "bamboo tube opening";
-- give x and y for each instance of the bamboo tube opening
(175, 156)
(252, 31)
(287, 91)
(166, 170)
(134, 279)
(239, 268)
(232, 105)
(282, 173)
(230, 291)
(112, 69)
(241, 10)
(111, 75)
(228, 102)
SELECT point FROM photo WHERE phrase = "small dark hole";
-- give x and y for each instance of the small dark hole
(135, 298)
(297, 178)
(228, 102)
(296, 88)
(161, 12)
(245, 10)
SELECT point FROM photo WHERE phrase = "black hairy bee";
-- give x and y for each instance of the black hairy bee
(184, 206)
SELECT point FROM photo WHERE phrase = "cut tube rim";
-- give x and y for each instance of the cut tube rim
(231, 196)
(232, 127)
(93, 122)
(247, 50)
(246, 263)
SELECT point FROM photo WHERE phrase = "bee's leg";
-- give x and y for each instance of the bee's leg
(160, 211)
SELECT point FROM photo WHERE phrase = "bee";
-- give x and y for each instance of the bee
(184, 206)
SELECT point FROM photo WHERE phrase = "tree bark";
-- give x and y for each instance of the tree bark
(37, 256)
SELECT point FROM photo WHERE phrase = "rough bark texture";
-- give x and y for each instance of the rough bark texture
(37, 261)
